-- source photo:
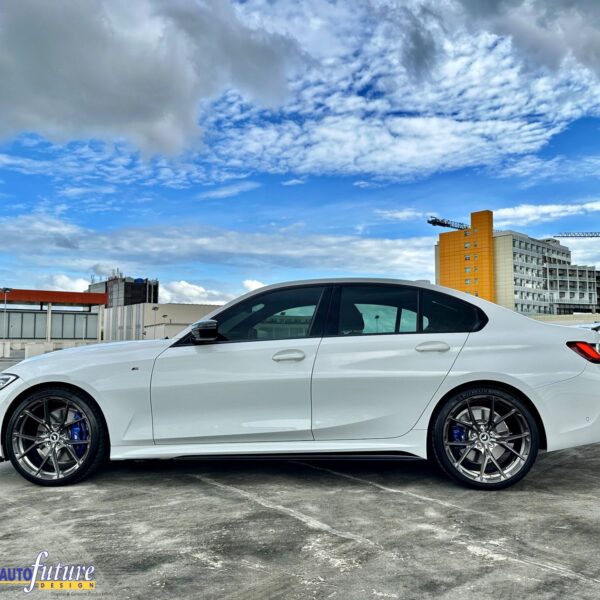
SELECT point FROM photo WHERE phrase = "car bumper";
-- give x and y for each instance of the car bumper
(570, 410)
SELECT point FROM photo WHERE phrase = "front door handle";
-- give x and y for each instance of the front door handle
(433, 347)
(289, 355)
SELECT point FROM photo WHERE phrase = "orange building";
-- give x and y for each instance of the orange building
(464, 259)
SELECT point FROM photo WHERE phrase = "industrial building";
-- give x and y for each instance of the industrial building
(40, 320)
(125, 291)
(120, 308)
(148, 321)
(513, 269)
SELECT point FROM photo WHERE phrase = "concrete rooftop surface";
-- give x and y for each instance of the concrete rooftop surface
(312, 529)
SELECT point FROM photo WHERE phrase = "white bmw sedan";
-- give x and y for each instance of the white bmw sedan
(359, 366)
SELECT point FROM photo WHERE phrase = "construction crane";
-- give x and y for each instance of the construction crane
(583, 234)
(446, 223)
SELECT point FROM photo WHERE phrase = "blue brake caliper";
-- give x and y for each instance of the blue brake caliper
(458, 433)
(79, 432)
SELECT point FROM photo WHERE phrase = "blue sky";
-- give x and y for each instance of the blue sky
(218, 146)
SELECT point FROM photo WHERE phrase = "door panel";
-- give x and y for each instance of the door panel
(376, 386)
(233, 392)
(389, 348)
(253, 383)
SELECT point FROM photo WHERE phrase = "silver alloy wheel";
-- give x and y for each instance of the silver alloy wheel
(43, 439)
(487, 439)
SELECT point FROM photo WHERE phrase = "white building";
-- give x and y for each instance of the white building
(149, 320)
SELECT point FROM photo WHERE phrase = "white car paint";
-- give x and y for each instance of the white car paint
(363, 393)
(245, 391)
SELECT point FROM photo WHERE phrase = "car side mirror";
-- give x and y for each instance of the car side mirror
(205, 331)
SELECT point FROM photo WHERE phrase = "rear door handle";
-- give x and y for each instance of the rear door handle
(433, 347)
(289, 355)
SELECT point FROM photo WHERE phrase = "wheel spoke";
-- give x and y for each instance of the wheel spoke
(76, 442)
(484, 464)
(39, 469)
(491, 415)
(460, 460)
(464, 423)
(523, 458)
(26, 452)
(69, 449)
(458, 443)
(512, 438)
(66, 415)
(66, 425)
(471, 415)
(29, 414)
(30, 438)
(497, 465)
(506, 416)
(55, 463)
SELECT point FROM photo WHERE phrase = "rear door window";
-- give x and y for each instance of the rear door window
(441, 313)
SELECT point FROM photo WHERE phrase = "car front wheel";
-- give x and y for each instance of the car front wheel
(485, 438)
(56, 437)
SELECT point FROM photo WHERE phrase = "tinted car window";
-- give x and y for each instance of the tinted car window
(446, 314)
(372, 309)
(277, 315)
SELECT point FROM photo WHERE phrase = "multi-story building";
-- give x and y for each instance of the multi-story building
(125, 291)
(515, 270)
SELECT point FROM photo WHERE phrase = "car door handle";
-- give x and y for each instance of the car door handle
(433, 347)
(289, 355)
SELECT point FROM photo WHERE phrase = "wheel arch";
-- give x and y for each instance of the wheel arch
(40, 386)
(506, 387)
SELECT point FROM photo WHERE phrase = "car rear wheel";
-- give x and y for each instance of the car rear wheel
(56, 437)
(485, 438)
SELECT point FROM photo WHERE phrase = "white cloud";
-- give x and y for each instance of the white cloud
(385, 89)
(230, 190)
(183, 292)
(528, 214)
(64, 283)
(252, 284)
(367, 184)
(77, 248)
(136, 70)
(77, 192)
(401, 214)
(289, 182)
(545, 32)
(533, 169)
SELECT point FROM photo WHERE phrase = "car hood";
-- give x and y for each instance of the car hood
(85, 357)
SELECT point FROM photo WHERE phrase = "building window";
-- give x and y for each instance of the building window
(467, 269)
(467, 257)
(475, 256)
(467, 233)
(467, 245)
(467, 281)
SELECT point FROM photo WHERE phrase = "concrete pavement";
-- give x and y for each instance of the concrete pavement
(335, 529)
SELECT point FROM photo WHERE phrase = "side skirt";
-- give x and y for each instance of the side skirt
(413, 444)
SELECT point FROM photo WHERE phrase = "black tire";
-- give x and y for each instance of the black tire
(45, 409)
(464, 452)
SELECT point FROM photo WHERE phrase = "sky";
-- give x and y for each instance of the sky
(220, 145)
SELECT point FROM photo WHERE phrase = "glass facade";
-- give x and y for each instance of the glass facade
(31, 325)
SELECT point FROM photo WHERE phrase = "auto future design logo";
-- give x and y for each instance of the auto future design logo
(47, 577)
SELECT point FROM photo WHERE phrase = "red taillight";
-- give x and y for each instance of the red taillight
(585, 349)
